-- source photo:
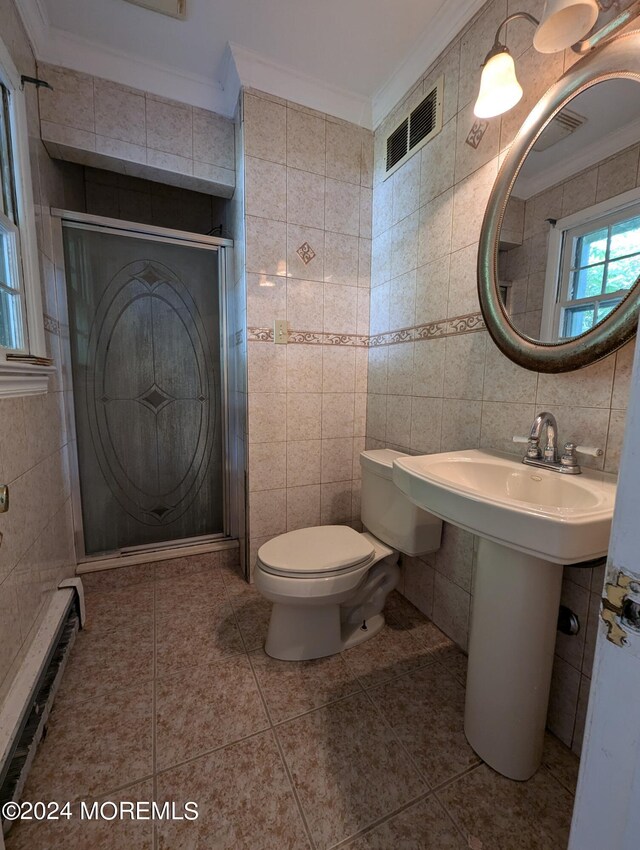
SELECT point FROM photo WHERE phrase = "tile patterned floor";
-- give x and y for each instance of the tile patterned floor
(168, 696)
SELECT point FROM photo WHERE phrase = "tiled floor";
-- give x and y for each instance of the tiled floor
(168, 696)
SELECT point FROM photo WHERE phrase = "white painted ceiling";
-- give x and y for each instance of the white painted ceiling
(355, 48)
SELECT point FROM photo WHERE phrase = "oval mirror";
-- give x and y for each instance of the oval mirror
(559, 257)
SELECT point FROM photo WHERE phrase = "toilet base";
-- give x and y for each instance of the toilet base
(304, 633)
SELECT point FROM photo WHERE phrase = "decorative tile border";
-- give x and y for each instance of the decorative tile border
(469, 323)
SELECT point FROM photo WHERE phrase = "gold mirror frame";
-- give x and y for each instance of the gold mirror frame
(617, 58)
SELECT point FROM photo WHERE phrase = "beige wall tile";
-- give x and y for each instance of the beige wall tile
(264, 426)
(464, 365)
(265, 189)
(406, 189)
(169, 127)
(267, 299)
(451, 609)
(213, 138)
(337, 460)
(342, 207)
(454, 558)
(303, 462)
(304, 416)
(303, 507)
(305, 143)
(305, 304)
(404, 245)
(432, 291)
(268, 511)
(305, 198)
(338, 368)
(267, 466)
(266, 246)
(398, 430)
(340, 308)
(70, 101)
(426, 425)
(501, 422)
(267, 367)
(265, 129)
(434, 238)
(437, 163)
(344, 152)
(335, 503)
(341, 259)
(120, 113)
(460, 424)
(337, 415)
(304, 368)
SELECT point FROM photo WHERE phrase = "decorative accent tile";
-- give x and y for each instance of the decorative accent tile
(306, 253)
(476, 133)
(51, 325)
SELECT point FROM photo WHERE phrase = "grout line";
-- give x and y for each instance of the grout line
(282, 756)
(376, 823)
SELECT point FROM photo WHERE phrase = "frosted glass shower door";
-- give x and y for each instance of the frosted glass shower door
(144, 326)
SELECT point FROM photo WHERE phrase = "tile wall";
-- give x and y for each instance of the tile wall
(96, 122)
(36, 537)
(308, 194)
(448, 387)
(115, 195)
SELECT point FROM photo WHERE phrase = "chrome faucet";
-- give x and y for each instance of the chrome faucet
(544, 422)
(548, 457)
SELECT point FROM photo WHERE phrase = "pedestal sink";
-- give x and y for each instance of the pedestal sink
(530, 522)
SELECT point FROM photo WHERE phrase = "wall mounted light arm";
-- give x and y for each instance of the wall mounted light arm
(611, 28)
(497, 43)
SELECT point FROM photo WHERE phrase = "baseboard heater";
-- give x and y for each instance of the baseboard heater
(25, 711)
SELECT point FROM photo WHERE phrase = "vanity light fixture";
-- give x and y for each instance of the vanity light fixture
(499, 86)
(564, 23)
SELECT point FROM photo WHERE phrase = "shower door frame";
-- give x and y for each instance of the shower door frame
(223, 248)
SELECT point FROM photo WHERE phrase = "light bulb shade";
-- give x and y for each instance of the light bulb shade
(563, 23)
(499, 86)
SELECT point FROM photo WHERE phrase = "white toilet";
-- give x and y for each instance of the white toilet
(328, 584)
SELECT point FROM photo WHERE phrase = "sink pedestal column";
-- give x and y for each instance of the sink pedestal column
(513, 634)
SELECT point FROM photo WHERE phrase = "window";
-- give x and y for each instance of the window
(11, 307)
(22, 339)
(594, 258)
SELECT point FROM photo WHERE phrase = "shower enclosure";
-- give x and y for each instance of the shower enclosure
(146, 343)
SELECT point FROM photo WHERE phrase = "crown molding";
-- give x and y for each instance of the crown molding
(36, 22)
(242, 66)
(260, 72)
(90, 57)
(448, 22)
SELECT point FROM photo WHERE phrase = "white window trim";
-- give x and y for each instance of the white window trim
(549, 331)
(18, 378)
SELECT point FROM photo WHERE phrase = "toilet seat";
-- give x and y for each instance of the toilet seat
(316, 552)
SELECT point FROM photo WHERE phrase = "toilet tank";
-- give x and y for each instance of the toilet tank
(386, 511)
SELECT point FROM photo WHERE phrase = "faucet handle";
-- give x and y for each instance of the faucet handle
(533, 449)
(589, 450)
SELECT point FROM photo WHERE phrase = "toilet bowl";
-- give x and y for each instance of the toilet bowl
(328, 584)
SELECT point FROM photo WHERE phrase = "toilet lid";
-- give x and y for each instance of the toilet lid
(317, 550)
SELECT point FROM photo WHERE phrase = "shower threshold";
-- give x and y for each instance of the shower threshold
(155, 552)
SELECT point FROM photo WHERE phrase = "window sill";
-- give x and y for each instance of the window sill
(20, 379)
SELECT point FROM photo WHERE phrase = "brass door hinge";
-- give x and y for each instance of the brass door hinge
(621, 608)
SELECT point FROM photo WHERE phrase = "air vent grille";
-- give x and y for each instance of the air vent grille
(421, 125)
(423, 119)
(397, 144)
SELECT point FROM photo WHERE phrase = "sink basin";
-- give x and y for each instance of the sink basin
(564, 519)
(530, 521)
